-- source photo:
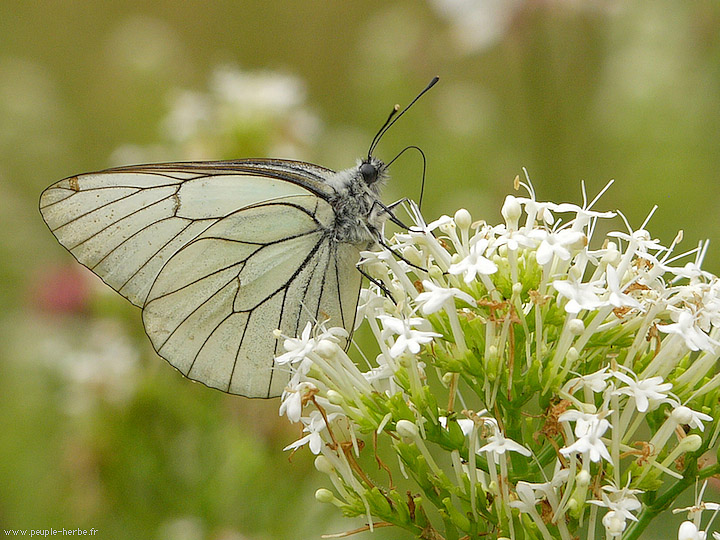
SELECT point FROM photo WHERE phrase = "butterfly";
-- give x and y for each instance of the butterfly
(220, 254)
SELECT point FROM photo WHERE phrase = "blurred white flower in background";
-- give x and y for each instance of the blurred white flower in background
(98, 366)
(241, 114)
(477, 25)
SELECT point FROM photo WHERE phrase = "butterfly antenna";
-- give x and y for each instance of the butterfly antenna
(394, 116)
(424, 168)
(377, 136)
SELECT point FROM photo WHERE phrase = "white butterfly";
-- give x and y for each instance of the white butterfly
(220, 254)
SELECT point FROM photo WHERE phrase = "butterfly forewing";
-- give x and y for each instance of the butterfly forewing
(218, 255)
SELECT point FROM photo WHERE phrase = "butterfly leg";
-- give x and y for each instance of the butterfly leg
(389, 211)
(379, 283)
(400, 256)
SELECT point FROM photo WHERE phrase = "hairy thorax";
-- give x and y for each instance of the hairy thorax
(359, 215)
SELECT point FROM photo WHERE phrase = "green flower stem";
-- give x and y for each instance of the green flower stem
(664, 501)
(513, 428)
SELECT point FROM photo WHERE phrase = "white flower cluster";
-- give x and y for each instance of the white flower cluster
(549, 367)
(241, 113)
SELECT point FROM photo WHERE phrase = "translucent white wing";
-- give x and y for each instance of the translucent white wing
(217, 254)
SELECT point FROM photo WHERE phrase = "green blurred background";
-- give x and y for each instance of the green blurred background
(95, 431)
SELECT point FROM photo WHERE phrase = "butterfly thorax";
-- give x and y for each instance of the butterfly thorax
(358, 212)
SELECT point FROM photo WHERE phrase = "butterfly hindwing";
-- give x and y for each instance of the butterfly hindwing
(218, 255)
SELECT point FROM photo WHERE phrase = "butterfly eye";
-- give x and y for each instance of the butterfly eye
(369, 172)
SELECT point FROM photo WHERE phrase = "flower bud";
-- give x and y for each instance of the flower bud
(511, 212)
(576, 327)
(612, 254)
(326, 349)
(405, 428)
(323, 465)
(463, 219)
(614, 523)
(336, 398)
(412, 254)
(691, 443)
(583, 478)
(324, 495)
(493, 488)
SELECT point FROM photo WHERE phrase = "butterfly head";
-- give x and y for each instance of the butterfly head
(372, 170)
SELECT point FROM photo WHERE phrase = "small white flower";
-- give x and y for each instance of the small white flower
(538, 210)
(697, 420)
(440, 222)
(475, 263)
(621, 501)
(597, 382)
(292, 401)
(558, 245)
(382, 373)
(617, 297)
(708, 314)
(647, 392)
(530, 493)
(297, 348)
(369, 305)
(640, 239)
(695, 511)
(614, 523)
(695, 339)
(381, 259)
(513, 239)
(583, 216)
(580, 295)
(257, 91)
(408, 338)
(498, 444)
(690, 271)
(314, 426)
(689, 531)
(435, 297)
(686, 416)
(526, 495)
(588, 429)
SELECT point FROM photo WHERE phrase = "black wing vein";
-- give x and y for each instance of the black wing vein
(181, 231)
(212, 332)
(185, 319)
(117, 221)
